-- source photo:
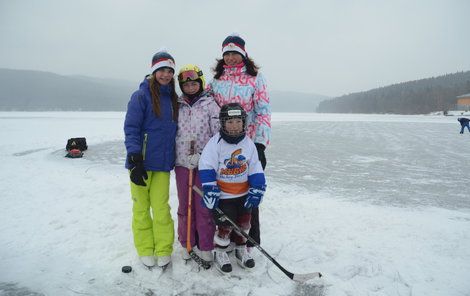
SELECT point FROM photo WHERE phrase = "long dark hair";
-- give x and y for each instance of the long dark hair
(251, 67)
(155, 91)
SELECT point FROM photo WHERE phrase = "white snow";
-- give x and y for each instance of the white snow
(380, 204)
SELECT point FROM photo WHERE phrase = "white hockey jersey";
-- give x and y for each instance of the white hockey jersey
(233, 167)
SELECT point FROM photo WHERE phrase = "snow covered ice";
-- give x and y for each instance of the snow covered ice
(380, 204)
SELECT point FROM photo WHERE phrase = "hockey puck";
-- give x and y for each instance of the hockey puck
(126, 269)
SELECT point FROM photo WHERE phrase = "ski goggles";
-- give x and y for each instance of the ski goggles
(189, 75)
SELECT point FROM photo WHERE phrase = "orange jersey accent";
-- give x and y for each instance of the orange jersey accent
(233, 188)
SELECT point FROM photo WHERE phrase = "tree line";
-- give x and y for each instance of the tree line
(413, 97)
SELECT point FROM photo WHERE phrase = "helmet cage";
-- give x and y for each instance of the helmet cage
(232, 111)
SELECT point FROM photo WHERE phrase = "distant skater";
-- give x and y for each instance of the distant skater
(464, 123)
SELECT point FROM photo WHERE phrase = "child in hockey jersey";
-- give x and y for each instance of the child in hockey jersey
(198, 121)
(233, 180)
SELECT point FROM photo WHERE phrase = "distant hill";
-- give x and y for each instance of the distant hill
(25, 90)
(414, 97)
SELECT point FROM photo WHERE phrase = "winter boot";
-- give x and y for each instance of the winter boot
(206, 256)
(163, 261)
(148, 261)
(221, 261)
(185, 255)
(244, 258)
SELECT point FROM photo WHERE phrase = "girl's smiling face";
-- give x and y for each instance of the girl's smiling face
(232, 58)
(191, 87)
(164, 75)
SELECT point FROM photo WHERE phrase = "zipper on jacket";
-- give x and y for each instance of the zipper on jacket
(144, 146)
(232, 82)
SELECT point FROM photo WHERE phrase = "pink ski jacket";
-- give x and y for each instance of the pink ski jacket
(236, 86)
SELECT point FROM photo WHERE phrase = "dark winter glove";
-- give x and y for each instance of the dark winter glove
(211, 196)
(138, 173)
(262, 158)
(255, 196)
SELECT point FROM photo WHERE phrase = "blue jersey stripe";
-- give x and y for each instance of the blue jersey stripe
(257, 180)
(207, 176)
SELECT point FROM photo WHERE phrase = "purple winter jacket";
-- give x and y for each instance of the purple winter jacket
(147, 134)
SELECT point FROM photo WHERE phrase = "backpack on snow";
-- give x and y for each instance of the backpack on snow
(76, 143)
(75, 147)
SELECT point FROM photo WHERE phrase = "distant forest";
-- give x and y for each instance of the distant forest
(413, 97)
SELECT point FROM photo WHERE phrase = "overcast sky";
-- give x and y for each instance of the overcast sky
(325, 47)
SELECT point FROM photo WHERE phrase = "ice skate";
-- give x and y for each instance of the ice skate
(243, 257)
(221, 261)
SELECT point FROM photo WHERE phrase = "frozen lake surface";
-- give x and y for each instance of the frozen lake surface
(417, 161)
(382, 159)
(378, 203)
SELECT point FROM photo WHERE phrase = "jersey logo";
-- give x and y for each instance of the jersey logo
(236, 164)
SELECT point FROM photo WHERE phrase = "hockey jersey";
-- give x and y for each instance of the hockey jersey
(233, 167)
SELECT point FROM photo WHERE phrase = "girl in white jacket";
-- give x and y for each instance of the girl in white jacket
(198, 121)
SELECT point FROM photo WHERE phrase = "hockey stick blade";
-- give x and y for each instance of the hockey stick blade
(301, 278)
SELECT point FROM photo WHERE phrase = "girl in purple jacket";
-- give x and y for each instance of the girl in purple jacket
(198, 121)
(150, 130)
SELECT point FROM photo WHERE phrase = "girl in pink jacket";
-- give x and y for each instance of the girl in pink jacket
(198, 121)
(237, 80)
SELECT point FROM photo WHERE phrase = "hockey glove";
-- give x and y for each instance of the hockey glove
(193, 160)
(211, 196)
(138, 173)
(255, 196)
(262, 158)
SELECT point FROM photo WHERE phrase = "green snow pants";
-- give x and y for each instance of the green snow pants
(152, 224)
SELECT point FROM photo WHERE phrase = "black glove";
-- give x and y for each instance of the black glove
(261, 156)
(138, 173)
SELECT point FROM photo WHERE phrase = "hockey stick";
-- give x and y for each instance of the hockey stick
(296, 277)
(189, 248)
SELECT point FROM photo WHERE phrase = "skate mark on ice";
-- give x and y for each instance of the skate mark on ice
(26, 152)
(13, 289)
(309, 290)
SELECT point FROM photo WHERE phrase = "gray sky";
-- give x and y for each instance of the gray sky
(325, 47)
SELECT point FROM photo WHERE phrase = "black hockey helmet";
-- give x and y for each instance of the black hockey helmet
(231, 111)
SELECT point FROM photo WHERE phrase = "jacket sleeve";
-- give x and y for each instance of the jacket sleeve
(133, 124)
(262, 109)
(214, 123)
(209, 89)
(256, 176)
(209, 163)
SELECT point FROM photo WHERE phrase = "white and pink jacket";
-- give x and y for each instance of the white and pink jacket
(236, 86)
(197, 123)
